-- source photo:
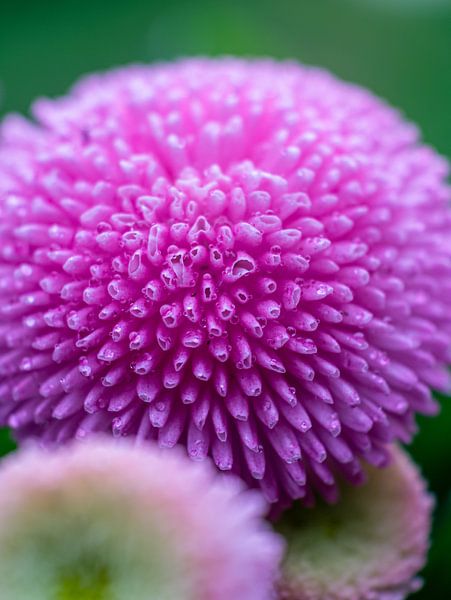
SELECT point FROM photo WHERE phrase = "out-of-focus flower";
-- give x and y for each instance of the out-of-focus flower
(369, 547)
(250, 258)
(108, 521)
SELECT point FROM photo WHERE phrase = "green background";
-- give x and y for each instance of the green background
(401, 49)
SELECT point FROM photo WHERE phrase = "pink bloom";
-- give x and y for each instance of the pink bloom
(249, 258)
(369, 547)
(107, 520)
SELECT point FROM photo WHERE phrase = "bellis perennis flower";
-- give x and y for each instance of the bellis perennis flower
(107, 521)
(369, 547)
(248, 258)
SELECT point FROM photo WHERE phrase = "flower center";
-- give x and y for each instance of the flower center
(87, 584)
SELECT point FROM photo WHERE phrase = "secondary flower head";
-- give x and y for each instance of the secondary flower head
(249, 258)
(369, 547)
(101, 520)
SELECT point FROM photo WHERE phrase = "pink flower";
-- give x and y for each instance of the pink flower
(249, 258)
(107, 520)
(369, 547)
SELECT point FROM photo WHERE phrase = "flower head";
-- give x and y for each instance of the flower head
(369, 547)
(101, 520)
(248, 258)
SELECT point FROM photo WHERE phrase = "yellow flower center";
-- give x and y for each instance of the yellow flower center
(94, 585)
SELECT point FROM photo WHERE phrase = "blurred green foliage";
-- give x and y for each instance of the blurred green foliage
(7, 444)
(401, 50)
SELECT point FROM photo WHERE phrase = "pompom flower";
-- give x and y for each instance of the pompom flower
(249, 258)
(369, 547)
(101, 520)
